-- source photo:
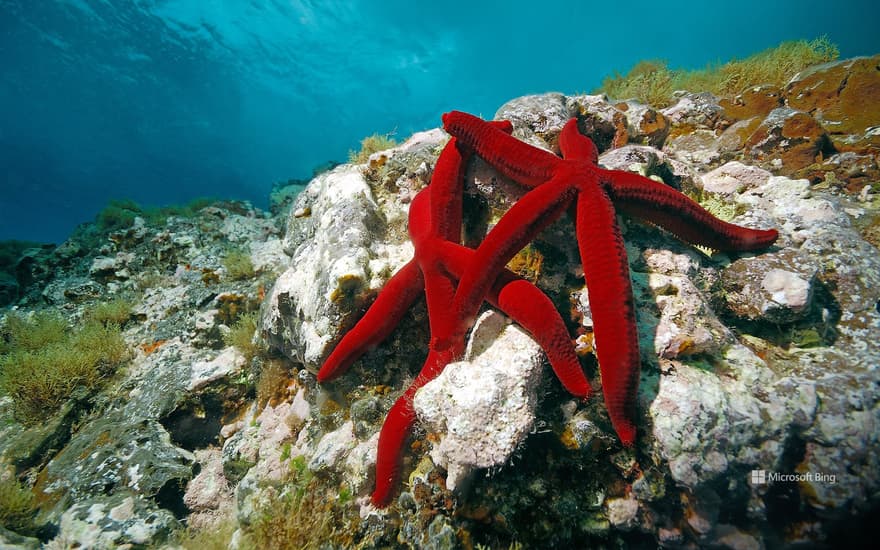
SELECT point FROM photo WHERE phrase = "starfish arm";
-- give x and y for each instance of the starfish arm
(439, 286)
(519, 161)
(576, 146)
(397, 428)
(664, 206)
(384, 314)
(606, 271)
(526, 218)
(446, 186)
(439, 291)
(533, 311)
(389, 456)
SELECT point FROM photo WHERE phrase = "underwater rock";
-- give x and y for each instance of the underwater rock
(537, 120)
(209, 494)
(623, 512)
(114, 454)
(601, 120)
(116, 521)
(10, 540)
(777, 288)
(104, 268)
(337, 262)
(756, 101)
(483, 407)
(734, 177)
(699, 146)
(751, 362)
(705, 425)
(694, 111)
(651, 163)
(645, 125)
(261, 443)
(788, 140)
(686, 325)
(332, 449)
(8, 289)
(550, 109)
(843, 96)
(125, 452)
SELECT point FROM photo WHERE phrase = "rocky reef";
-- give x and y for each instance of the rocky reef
(758, 402)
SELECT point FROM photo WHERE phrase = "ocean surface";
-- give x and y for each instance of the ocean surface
(163, 101)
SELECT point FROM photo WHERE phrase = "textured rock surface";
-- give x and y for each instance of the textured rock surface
(118, 521)
(484, 406)
(789, 140)
(111, 469)
(838, 94)
(339, 261)
(734, 177)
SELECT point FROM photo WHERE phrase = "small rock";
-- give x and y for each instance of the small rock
(733, 177)
(483, 407)
(333, 447)
(697, 147)
(773, 287)
(623, 512)
(116, 521)
(694, 110)
(789, 138)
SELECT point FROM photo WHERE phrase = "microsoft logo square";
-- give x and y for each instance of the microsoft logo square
(759, 477)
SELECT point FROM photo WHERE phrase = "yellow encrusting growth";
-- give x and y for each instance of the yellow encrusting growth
(527, 263)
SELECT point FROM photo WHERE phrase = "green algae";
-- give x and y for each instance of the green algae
(653, 82)
(42, 361)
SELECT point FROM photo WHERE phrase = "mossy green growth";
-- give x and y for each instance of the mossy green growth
(241, 336)
(120, 213)
(238, 264)
(720, 208)
(653, 82)
(32, 333)
(42, 361)
(17, 506)
(117, 310)
(217, 537)
(369, 145)
(303, 514)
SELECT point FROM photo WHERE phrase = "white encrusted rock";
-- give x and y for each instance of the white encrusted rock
(734, 176)
(483, 407)
(333, 447)
(336, 261)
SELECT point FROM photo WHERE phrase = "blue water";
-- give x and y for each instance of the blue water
(162, 101)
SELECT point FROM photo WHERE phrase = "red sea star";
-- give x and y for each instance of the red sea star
(556, 183)
(435, 228)
(440, 261)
